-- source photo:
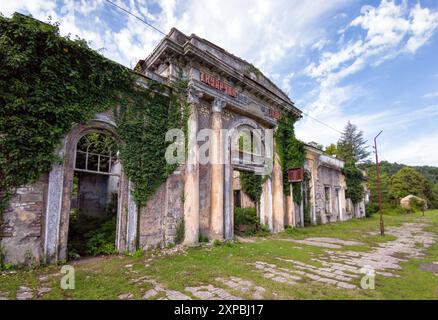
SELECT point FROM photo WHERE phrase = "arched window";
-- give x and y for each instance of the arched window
(96, 153)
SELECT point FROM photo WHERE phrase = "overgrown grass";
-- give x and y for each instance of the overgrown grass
(107, 277)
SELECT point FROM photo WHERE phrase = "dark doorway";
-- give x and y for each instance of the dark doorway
(94, 199)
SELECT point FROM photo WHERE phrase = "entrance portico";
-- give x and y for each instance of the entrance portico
(226, 95)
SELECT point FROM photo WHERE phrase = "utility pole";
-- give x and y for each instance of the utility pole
(382, 227)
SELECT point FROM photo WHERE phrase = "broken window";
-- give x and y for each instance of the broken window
(96, 152)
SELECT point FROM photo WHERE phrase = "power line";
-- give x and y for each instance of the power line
(321, 122)
(137, 17)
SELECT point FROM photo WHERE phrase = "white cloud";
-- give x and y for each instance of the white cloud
(393, 121)
(286, 82)
(263, 32)
(386, 31)
(269, 34)
(430, 95)
(390, 29)
(421, 150)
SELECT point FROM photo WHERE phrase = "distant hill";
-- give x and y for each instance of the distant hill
(431, 173)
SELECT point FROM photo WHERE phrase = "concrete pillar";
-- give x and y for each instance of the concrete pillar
(313, 197)
(229, 205)
(53, 214)
(266, 216)
(290, 211)
(277, 195)
(132, 222)
(217, 172)
(191, 181)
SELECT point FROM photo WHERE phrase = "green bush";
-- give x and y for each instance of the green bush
(263, 231)
(217, 243)
(245, 216)
(203, 238)
(246, 221)
(102, 240)
(371, 208)
(180, 232)
(418, 205)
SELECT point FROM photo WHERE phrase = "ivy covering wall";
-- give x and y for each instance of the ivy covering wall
(252, 185)
(48, 83)
(290, 151)
(142, 122)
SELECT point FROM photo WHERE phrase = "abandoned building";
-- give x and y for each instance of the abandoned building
(226, 92)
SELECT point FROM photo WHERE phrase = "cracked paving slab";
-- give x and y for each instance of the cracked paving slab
(210, 292)
(325, 242)
(344, 269)
(244, 286)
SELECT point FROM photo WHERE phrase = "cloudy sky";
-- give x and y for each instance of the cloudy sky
(372, 62)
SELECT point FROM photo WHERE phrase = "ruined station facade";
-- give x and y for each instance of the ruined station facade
(226, 92)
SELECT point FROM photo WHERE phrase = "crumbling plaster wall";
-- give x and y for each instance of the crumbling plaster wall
(163, 213)
(21, 233)
(327, 177)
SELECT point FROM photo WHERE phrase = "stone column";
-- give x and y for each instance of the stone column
(53, 214)
(132, 222)
(313, 175)
(277, 195)
(217, 172)
(229, 205)
(290, 210)
(191, 182)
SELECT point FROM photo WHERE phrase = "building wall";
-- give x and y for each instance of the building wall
(163, 213)
(326, 173)
(21, 235)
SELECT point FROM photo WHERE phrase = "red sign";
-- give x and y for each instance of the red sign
(217, 84)
(295, 175)
(272, 113)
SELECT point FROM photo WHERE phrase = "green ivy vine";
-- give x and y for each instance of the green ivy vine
(142, 122)
(49, 82)
(251, 184)
(354, 180)
(290, 151)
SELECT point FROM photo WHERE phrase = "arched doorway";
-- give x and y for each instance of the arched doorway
(246, 155)
(62, 183)
(94, 198)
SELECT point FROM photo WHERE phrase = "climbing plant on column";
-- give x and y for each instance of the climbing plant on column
(251, 184)
(290, 151)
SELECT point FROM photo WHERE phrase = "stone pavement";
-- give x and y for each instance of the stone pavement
(325, 242)
(204, 292)
(341, 268)
(344, 269)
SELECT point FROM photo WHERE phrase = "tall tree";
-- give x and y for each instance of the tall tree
(352, 145)
(409, 181)
(331, 150)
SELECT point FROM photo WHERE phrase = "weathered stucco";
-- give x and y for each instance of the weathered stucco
(21, 236)
(160, 218)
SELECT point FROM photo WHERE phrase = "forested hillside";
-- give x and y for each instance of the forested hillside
(399, 180)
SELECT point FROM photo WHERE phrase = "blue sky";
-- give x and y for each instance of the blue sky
(371, 62)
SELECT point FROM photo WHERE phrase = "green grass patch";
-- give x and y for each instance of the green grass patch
(107, 277)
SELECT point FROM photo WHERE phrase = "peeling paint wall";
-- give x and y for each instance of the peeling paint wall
(21, 235)
(160, 218)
